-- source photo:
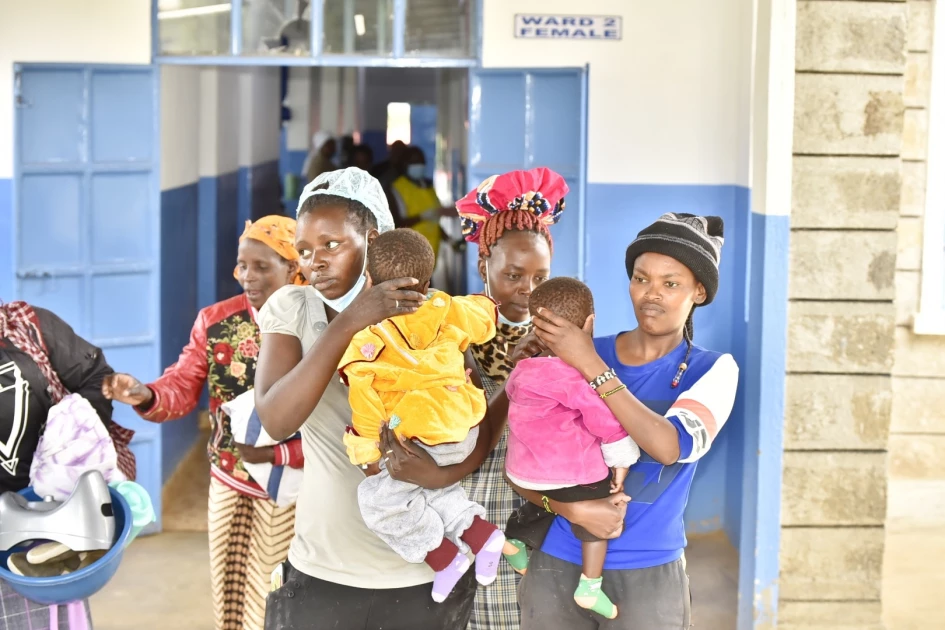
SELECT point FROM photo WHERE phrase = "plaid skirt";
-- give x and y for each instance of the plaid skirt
(19, 613)
(496, 606)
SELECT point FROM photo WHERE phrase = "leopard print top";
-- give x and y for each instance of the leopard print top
(494, 357)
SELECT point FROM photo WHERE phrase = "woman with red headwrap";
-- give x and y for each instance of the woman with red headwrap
(508, 216)
(249, 533)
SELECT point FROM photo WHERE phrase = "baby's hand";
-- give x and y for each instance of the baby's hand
(616, 482)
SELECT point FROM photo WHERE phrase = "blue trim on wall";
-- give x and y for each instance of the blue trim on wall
(179, 306)
(207, 236)
(7, 262)
(290, 162)
(763, 395)
(267, 190)
(219, 231)
(737, 232)
(258, 192)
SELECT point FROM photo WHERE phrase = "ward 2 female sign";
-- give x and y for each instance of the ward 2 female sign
(579, 27)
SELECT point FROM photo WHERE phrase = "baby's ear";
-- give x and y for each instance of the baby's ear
(425, 288)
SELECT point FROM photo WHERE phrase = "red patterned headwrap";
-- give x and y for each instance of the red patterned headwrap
(525, 200)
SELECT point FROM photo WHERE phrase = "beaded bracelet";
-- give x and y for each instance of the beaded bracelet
(544, 503)
(613, 391)
(603, 378)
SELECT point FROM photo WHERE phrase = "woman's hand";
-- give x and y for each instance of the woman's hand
(377, 303)
(601, 517)
(257, 454)
(408, 462)
(528, 346)
(125, 388)
(573, 345)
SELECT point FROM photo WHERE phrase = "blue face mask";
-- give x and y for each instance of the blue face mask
(341, 303)
(502, 318)
(505, 320)
(416, 172)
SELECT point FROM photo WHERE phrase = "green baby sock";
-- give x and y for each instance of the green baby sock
(590, 595)
(517, 558)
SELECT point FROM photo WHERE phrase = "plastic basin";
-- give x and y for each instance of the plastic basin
(80, 584)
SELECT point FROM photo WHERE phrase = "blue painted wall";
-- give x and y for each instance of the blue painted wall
(7, 263)
(377, 140)
(738, 232)
(763, 399)
(290, 162)
(218, 234)
(259, 192)
(614, 215)
(179, 305)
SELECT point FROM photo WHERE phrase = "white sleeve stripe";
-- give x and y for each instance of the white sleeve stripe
(704, 408)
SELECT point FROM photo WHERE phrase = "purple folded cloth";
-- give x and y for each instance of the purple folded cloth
(74, 441)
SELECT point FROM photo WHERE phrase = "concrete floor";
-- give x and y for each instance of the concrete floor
(164, 580)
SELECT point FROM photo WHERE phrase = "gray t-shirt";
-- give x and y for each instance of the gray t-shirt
(331, 542)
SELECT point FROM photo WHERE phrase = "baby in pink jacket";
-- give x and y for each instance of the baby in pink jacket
(563, 442)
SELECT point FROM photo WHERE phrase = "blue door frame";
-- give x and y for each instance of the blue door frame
(86, 218)
(552, 125)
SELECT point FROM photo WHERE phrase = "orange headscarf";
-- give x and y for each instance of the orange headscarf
(278, 232)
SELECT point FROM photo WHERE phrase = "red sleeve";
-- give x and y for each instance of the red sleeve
(177, 391)
(289, 454)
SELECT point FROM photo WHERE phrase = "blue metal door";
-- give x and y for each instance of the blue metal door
(521, 119)
(423, 132)
(86, 234)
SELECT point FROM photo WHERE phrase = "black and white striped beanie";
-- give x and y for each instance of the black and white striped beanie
(692, 240)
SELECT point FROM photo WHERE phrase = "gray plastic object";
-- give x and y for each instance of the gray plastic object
(85, 521)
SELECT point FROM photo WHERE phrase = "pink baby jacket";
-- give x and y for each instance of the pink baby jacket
(561, 433)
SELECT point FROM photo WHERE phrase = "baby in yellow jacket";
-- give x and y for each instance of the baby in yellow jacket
(410, 371)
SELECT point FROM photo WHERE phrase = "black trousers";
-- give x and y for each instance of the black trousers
(307, 603)
(530, 523)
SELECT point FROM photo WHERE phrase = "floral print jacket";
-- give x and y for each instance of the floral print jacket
(223, 348)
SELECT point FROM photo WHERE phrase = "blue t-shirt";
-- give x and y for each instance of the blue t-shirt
(654, 532)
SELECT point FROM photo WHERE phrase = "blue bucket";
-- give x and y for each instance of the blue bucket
(80, 584)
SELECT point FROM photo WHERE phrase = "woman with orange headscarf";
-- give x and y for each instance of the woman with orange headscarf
(249, 533)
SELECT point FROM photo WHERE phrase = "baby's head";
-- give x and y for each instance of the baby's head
(401, 253)
(565, 297)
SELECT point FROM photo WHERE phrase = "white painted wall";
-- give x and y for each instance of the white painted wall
(668, 104)
(180, 126)
(219, 121)
(71, 31)
(259, 108)
(298, 130)
(330, 88)
(215, 120)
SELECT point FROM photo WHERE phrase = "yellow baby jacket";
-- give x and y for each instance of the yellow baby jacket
(410, 369)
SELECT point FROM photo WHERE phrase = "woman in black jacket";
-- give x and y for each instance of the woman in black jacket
(42, 360)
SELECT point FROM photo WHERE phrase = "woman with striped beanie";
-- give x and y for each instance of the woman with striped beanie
(672, 398)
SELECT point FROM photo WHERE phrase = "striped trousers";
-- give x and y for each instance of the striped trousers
(248, 538)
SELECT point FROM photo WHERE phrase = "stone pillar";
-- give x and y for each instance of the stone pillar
(915, 520)
(846, 194)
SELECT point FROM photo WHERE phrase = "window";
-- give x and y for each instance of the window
(398, 123)
(397, 33)
(276, 27)
(358, 27)
(193, 27)
(439, 27)
(930, 320)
